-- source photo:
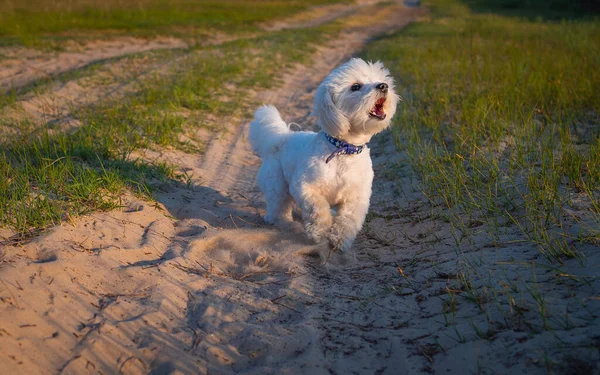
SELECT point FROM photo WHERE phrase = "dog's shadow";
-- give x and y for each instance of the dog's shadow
(214, 226)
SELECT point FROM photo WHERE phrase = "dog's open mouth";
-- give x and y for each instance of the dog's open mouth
(377, 111)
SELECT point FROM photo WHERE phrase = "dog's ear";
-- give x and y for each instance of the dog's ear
(329, 116)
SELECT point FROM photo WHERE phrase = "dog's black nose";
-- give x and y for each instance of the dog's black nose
(382, 86)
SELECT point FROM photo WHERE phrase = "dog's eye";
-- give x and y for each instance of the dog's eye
(355, 87)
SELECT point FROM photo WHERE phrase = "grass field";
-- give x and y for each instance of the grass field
(501, 121)
(500, 114)
(35, 22)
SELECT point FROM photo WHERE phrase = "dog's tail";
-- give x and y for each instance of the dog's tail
(268, 131)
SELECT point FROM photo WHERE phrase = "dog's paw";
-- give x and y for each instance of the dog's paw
(338, 241)
(335, 244)
(314, 232)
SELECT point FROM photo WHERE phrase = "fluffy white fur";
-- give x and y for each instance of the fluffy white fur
(334, 197)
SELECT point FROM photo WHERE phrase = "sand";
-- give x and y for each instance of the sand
(196, 283)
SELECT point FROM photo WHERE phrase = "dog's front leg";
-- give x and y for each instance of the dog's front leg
(348, 222)
(316, 212)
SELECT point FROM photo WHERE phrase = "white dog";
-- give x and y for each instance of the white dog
(327, 174)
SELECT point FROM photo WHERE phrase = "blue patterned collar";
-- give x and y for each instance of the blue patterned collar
(343, 148)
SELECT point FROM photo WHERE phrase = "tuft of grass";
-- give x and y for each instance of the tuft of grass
(501, 118)
(55, 178)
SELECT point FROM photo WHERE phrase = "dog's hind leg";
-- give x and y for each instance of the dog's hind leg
(279, 201)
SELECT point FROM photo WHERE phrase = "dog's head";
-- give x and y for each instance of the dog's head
(356, 101)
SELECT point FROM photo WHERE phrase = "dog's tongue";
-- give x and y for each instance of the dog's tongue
(379, 107)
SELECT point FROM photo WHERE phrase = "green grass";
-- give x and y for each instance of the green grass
(48, 177)
(30, 21)
(57, 178)
(500, 121)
